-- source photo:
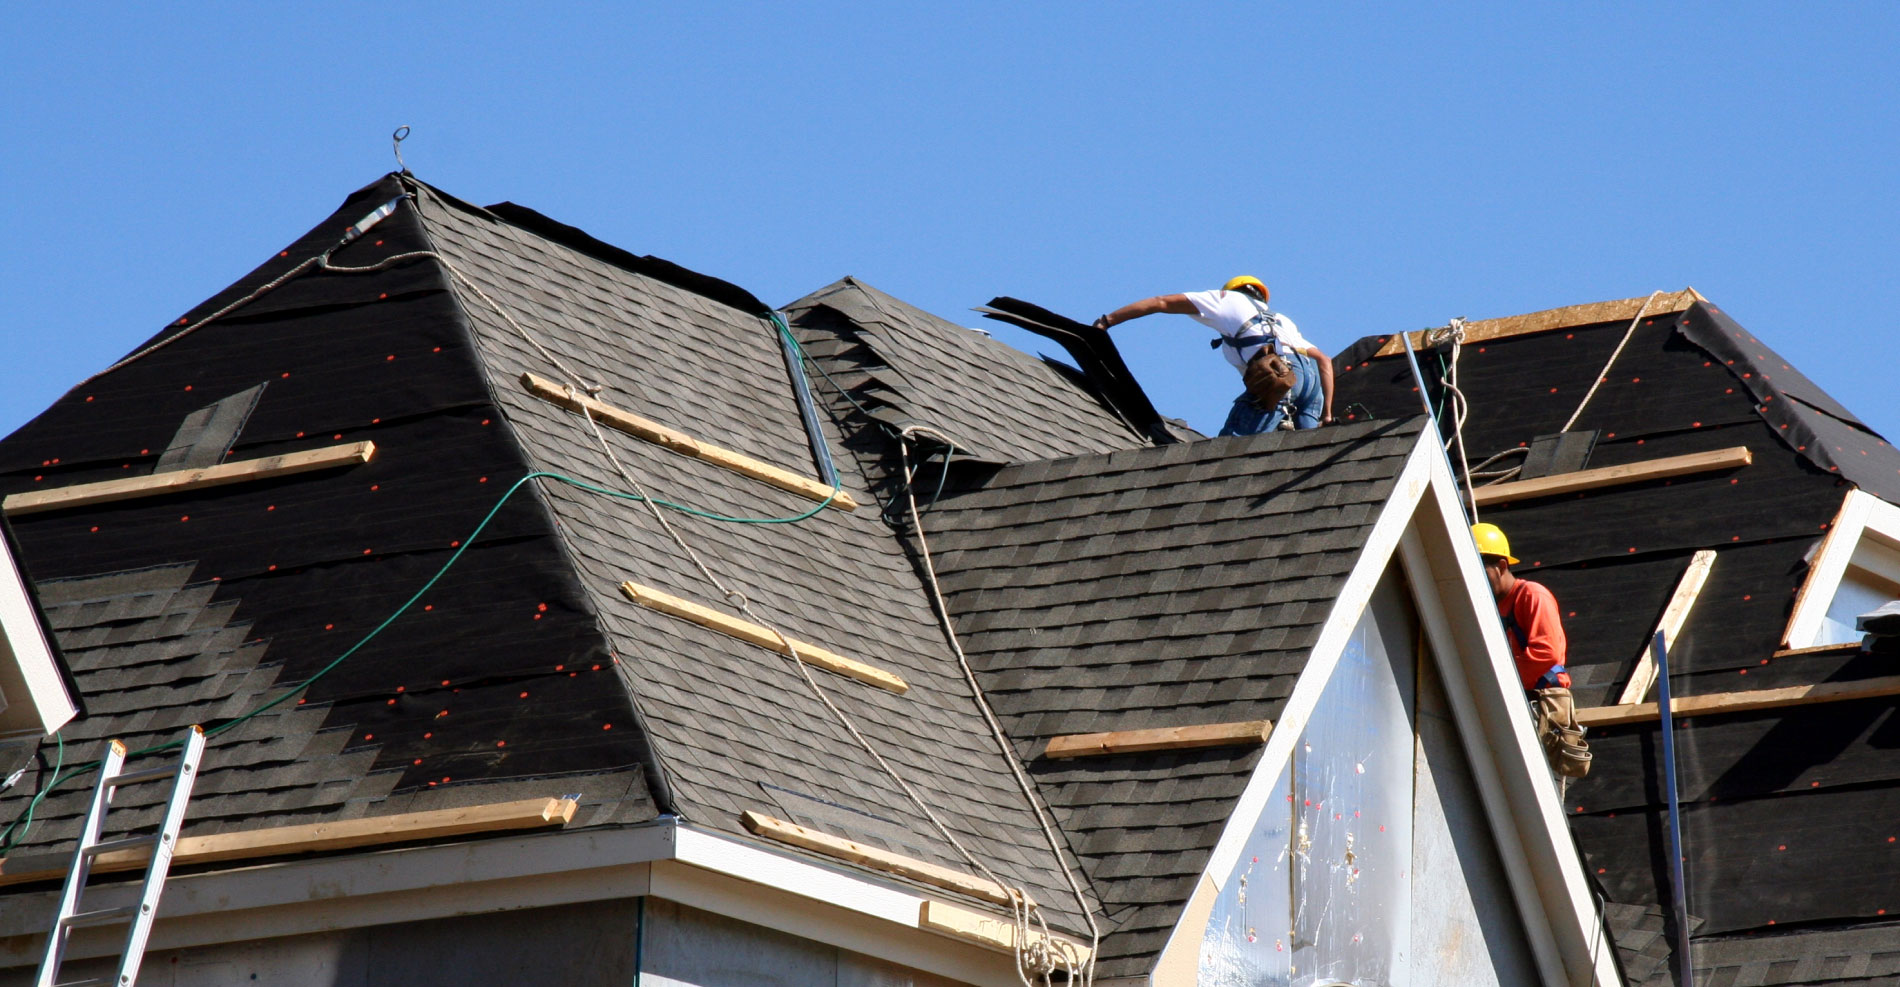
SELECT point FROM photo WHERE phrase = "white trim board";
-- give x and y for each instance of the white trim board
(33, 696)
(717, 872)
(1865, 522)
(1422, 527)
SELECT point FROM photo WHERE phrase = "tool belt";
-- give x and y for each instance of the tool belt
(1268, 379)
(1558, 731)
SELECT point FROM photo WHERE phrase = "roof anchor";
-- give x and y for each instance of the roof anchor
(395, 144)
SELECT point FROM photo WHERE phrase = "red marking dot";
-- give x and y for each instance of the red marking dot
(1553, 390)
(300, 435)
(438, 349)
(376, 421)
(597, 668)
(501, 743)
(281, 253)
(1636, 380)
(379, 243)
(442, 714)
(524, 695)
(375, 486)
(300, 702)
(369, 736)
(537, 616)
(482, 480)
(1570, 335)
(417, 761)
(271, 569)
(1632, 549)
(456, 543)
(426, 736)
(1641, 441)
(337, 435)
(402, 688)
(541, 607)
(1695, 424)
(1603, 870)
(428, 606)
(187, 387)
(560, 668)
(1811, 784)
(391, 702)
(38, 479)
(89, 397)
(485, 421)
(1782, 846)
(445, 681)
(1729, 391)
(380, 298)
(606, 726)
(185, 518)
(367, 551)
(329, 627)
(271, 507)
(445, 779)
(1748, 596)
(392, 356)
(181, 320)
(95, 527)
(1381, 829)
(1612, 435)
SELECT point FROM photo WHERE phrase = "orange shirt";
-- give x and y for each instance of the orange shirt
(1537, 640)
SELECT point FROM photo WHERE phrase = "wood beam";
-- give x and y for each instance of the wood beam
(1249, 732)
(837, 847)
(1568, 317)
(648, 430)
(345, 834)
(1613, 476)
(764, 637)
(175, 481)
(1680, 603)
(990, 931)
(1743, 702)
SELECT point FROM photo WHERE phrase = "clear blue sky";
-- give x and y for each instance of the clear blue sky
(1382, 169)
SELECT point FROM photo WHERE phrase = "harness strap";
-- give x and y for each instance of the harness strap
(1549, 679)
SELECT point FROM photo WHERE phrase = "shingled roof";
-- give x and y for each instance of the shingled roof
(1787, 812)
(1151, 588)
(454, 611)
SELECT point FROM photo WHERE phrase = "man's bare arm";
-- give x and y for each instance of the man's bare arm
(1175, 304)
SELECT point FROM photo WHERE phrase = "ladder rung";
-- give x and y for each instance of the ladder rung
(126, 844)
(90, 982)
(148, 774)
(103, 916)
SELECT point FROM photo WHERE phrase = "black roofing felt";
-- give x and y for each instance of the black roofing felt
(1156, 587)
(1788, 813)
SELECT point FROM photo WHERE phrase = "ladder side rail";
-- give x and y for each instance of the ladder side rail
(81, 869)
(163, 845)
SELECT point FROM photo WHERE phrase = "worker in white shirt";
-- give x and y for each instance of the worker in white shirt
(1286, 377)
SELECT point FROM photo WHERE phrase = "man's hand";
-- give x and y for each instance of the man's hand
(1101, 322)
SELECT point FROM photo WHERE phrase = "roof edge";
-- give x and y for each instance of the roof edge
(1567, 317)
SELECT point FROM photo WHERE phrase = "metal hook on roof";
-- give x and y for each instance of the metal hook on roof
(395, 144)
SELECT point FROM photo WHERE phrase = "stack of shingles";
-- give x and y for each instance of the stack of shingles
(1882, 629)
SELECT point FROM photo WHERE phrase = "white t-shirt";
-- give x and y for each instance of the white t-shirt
(1238, 316)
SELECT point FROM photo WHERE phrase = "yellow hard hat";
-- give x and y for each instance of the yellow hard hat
(1246, 279)
(1491, 541)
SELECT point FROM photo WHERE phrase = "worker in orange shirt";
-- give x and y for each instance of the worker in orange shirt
(1529, 612)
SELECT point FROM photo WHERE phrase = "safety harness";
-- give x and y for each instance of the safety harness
(1261, 330)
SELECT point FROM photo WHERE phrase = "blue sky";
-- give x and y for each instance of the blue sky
(1382, 168)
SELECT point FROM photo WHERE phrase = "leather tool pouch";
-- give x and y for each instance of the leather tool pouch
(1268, 378)
(1558, 731)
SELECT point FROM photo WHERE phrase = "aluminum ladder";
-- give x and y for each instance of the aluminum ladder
(162, 843)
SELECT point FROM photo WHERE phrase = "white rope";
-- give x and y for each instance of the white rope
(1033, 952)
(982, 703)
(1607, 364)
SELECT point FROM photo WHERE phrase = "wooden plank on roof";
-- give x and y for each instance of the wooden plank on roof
(1568, 317)
(763, 636)
(1743, 702)
(1674, 615)
(1247, 732)
(837, 847)
(176, 481)
(343, 834)
(991, 931)
(1612, 476)
(651, 431)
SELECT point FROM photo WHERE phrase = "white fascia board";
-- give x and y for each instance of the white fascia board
(375, 888)
(35, 691)
(1568, 939)
(1863, 517)
(821, 901)
(1423, 519)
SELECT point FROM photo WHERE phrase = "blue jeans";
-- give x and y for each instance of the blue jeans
(1307, 400)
